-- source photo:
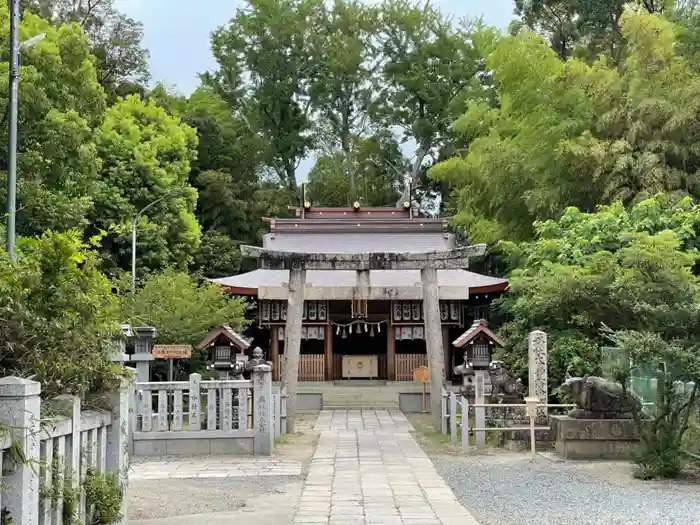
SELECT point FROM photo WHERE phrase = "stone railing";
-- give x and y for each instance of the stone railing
(198, 417)
(46, 460)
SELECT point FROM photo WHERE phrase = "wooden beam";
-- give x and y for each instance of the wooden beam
(437, 260)
(275, 352)
(328, 348)
(390, 351)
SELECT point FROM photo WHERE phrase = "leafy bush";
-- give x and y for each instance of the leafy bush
(57, 315)
(663, 429)
(103, 497)
(627, 269)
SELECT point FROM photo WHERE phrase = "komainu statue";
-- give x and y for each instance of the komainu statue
(258, 359)
(598, 398)
(237, 370)
(502, 383)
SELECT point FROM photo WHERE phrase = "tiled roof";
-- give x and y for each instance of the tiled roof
(359, 242)
(234, 338)
(348, 278)
(479, 327)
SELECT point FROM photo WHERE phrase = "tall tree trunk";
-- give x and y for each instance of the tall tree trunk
(346, 146)
(290, 174)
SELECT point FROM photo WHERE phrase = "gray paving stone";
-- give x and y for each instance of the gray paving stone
(368, 470)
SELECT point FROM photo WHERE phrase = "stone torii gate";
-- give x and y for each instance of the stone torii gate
(427, 262)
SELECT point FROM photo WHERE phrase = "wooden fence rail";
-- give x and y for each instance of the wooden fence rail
(407, 363)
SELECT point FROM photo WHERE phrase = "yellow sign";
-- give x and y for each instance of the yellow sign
(172, 351)
(421, 375)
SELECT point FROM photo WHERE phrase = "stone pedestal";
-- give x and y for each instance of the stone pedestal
(593, 438)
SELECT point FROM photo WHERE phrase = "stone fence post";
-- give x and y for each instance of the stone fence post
(264, 434)
(119, 438)
(20, 415)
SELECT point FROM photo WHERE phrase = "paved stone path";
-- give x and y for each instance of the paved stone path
(368, 469)
(213, 467)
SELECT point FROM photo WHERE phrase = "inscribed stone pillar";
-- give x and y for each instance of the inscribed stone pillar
(433, 340)
(292, 342)
(537, 368)
(263, 429)
(20, 413)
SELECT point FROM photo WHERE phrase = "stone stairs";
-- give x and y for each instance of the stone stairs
(360, 395)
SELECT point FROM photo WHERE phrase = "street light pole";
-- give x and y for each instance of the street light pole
(12, 102)
(133, 252)
(12, 143)
(134, 224)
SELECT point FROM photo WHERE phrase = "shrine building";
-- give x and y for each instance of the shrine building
(382, 335)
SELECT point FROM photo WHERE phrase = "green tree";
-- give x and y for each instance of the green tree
(344, 80)
(57, 316)
(218, 255)
(686, 15)
(61, 102)
(115, 39)
(181, 307)
(378, 167)
(583, 28)
(146, 156)
(568, 133)
(427, 65)
(265, 70)
(625, 269)
(228, 174)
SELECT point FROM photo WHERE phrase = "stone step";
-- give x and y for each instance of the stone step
(328, 402)
(360, 407)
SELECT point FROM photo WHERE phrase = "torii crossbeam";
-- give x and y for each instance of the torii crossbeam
(427, 262)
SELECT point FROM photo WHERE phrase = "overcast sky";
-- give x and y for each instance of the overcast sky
(177, 31)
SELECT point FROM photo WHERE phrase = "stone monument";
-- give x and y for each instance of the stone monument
(601, 425)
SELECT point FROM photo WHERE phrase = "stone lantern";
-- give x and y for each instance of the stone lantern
(226, 349)
(143, 356)
(118, 353)
(478, 343)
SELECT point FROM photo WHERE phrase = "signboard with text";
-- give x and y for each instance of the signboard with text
(172, 351)
(421, 375)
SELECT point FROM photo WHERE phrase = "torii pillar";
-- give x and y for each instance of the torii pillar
(427, 262)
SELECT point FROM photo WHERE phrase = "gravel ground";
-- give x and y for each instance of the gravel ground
(248, 500)
(158, 499)
(509, 489)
